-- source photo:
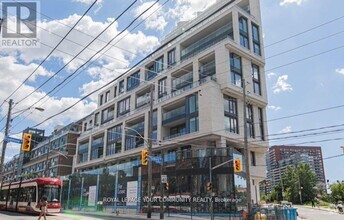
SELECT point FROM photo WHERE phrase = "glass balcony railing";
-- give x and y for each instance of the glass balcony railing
(139, 127)
(175, 113)
(182, 81)
(211, 39)
(180, 91)
(143, 100)
(207, 69)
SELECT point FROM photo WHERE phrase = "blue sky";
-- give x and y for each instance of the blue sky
(305, 86)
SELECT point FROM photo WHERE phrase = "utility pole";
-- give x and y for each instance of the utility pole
(211, 191)
(4, 143)
(47, 164)
(162, 187)
(280, 174)
(150, 135)
(246, 154)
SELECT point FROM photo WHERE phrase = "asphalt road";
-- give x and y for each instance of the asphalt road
(316, 214)
(19, 216)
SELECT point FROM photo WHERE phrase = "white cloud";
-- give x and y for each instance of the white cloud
(288, 2)
(281, 85)
(186, 10)
(285, 130)
(154, 17)
(88, 2)
(271, 75)
(13, 75)
(274, 108)
(135, 44)
(340, 71)
(115, 60)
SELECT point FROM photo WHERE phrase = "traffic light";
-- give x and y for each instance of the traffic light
(167, 186)
(26, 145)
(237, 166)
(209, 186)
(144, 158)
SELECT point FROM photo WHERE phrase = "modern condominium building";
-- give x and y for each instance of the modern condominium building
(197, 114)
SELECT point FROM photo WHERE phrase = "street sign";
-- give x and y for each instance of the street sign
(14, 140)
(163, 178)
(155, 159)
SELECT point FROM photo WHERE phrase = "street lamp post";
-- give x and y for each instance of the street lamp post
(7, 127)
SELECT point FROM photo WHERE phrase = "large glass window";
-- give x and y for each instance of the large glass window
(250, 121)
(114, 140)
(256, 79)
(96, 119)
(101, 99)
(261, 123)
(133, 81)
(236, 69)
(115, 91)
(159, 64)
(162, 87)
(123, 106)
(171, 57)
(107, 96)
(121, 87)
(108, 114)
(193, 104)
(155, 68)
(97, 148)
(231, 114)
(256, 40)
(83, 152)
(243, 29)
(52, 192)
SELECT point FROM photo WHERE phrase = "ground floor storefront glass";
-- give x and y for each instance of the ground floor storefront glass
(124, 186)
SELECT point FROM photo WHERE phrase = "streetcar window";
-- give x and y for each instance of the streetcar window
(28, 194)
(3, 194)
(52, 192)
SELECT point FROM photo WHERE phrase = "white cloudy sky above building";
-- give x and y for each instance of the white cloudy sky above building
(294, 84)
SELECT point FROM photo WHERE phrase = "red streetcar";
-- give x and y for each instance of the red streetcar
(24, 196)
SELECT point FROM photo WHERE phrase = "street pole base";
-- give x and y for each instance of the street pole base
(149, 214)
(161, 215)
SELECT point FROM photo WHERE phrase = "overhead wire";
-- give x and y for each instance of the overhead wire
(71, 60)
(51, 52)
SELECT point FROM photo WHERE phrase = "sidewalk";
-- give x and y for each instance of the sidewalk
(69, 213)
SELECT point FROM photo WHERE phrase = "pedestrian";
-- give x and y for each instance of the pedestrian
(313, 205)
(43, 204)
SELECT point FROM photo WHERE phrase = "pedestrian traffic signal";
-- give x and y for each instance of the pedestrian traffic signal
(209, 187)
(26, 145)
(144, 157)
(237, 166)
(167, 186)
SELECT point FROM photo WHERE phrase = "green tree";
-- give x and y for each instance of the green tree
(337, 191)
(299, 177)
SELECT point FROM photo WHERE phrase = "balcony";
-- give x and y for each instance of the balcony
(175, 135)
(142, 100)
(207, 41)
(182, 81)
(174, 115)
(186, 88)
(139, 127)
(207, 69)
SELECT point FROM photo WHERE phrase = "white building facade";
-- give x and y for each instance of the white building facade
(197, 114)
